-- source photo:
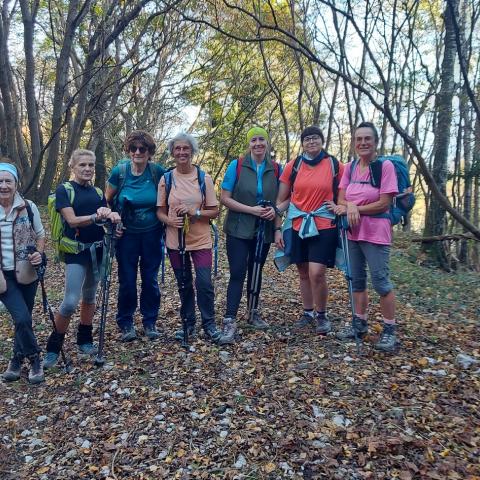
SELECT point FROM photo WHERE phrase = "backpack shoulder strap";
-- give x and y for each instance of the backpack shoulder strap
(201, 183)
(28, 208)
(376, 173)
(70, 191)
(240, 160)
(153, 172)
(295, 169)
(99, 192)
(168, 184)
(335, 169)
(122, 176)
(276, 169)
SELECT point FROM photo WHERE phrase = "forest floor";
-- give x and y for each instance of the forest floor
(277, 404)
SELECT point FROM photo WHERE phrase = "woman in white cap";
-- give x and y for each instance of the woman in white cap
(21, 250)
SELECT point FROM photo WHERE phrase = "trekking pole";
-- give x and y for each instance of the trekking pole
(343, 223)
(183, 265)
(109, 252)
(257, 265)
(41, 269)
(215, 249)
(163, 257)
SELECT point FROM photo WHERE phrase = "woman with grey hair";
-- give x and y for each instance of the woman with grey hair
(186, 204)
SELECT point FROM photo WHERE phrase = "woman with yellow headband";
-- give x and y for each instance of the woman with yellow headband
(249, 185)
(21, 250)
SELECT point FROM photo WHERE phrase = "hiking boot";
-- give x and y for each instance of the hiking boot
(50, 360)
(305, 321)
(255, 321)
(229, 330)
(12, 373)
(151, 332)
(212, 333)
(358, 325)
(35, 374)
(388, 339)
(190, 331)
(128, 334)
(323, 325)
(86, 349)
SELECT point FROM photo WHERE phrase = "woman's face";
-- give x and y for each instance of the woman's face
(182, 152)
(365, 144)
(84, 169)
(8, 186)
(258, 146)
(312, 145)
(138, 152)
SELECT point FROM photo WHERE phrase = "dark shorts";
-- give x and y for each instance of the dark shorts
(318, 249)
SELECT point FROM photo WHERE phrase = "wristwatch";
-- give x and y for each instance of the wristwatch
(198, 213)
(278, 229)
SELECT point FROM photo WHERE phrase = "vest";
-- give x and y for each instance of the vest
(24, 238)
(244, 225)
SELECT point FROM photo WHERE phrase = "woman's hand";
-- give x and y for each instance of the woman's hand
(279, 243)
(337, 209)
(35, 258)
(114, 217)
(176, 222)
(268, 213)
(353, 215)
(103, 213)
(181, 210)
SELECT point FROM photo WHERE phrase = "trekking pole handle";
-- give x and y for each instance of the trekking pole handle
(40, 268)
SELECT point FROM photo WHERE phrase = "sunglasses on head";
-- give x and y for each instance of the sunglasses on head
(134, 148)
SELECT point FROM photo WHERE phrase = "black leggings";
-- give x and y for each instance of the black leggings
(241, 256)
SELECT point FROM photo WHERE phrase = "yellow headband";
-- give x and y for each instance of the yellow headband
(257, 132)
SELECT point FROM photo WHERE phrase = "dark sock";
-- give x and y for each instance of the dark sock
(84, 334)
(55, 342)
(321, 314)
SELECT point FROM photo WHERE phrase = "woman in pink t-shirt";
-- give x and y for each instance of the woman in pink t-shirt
(370, 235)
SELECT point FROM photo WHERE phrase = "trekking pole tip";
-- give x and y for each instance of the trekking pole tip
(99, 361)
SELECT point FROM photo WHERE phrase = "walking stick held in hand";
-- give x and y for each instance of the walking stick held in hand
(108, 252)
(343, 225)
(183, 265)
(40, 269)
(257, 264)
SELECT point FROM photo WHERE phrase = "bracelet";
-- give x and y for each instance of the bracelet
(277, 229)
(93, 217)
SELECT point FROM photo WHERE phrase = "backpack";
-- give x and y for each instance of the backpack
(335, 168)
(61, 243)
(122, 176)
(404, 201)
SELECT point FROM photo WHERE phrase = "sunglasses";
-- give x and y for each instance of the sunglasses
(134, 148)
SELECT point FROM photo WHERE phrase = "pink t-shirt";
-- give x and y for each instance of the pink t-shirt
(370, 229)
(186, 191)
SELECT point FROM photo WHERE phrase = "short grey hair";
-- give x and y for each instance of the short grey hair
(78, 154)
(183, 137)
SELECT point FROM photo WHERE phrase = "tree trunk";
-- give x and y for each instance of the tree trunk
(435, 221)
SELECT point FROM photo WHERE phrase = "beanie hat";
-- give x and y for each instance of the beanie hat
(312, 130)
(257, 132)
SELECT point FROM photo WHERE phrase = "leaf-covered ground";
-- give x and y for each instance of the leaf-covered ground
(278, 404)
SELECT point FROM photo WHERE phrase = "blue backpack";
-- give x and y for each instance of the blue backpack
(404, 201)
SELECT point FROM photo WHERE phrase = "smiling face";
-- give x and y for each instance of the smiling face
(312, 145)
(258, 146)
(365, 143)
(8, 187)
(83, 169)
(182, 152)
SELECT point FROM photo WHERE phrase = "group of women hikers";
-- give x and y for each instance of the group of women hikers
(310, 191)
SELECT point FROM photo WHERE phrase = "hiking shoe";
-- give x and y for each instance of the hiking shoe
(212, 333)
(305, 321)
(50, 360)
(348, 332)
(35, 374)
(190, 331)
(86, 349)
(255, 321)
(388, 339)
(323, 325)
(12, 373)
(151, 332)
(128, 334)
(227, 336)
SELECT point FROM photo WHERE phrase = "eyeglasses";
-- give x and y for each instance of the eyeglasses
(134, 148)
(312, 138)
